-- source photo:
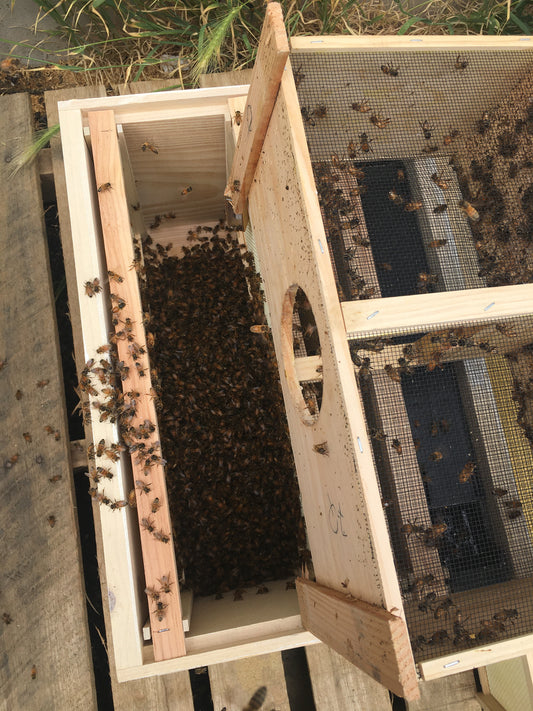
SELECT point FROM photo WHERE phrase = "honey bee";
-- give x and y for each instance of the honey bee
(438, 637)
(260, 328)
(451, 136)
(506, 330)
(155, 505)
(514, 513)
(237, 118)
(386, 268)
(92, 287)
(436, 243)
(144, 487)
(397, 446)
(412, 206)
(357, 173)
(156, 222)
(160, 610)
(320, 111)
(48, 429)
(430, 536)
(379, 121)
(19, 395)
(364, 143)
(42, 383)
(395, 198)
(484, 122)
(432, 148)
(104, 187)
(440, 208)
(165, 583)
(505, 615)
(236, 187)
(499, 492)
(434, 429)
(6, 618)
(115, 277)
(298, 76)
(118, 504)
(162, 536)
(33, 672)
(461, 63)
(359, 190)
(389, 70)
(257, 700)
(426, 129)
(440, 182)
(436, 456)
(361, 106)
(27, 436)
(469, 210)
(55, 478)
(152, 593)
(307, 116)
(132, 500)
(378, 435)
(262, 590)
(400, 175)
(442, 609)
(514, 504)
(393, 374)
(444, 425)
(187, 190)
(321, 448)
(148, 524)
(51, 521)
(148, 146)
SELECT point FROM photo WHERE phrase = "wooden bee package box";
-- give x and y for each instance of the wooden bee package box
(390, 224)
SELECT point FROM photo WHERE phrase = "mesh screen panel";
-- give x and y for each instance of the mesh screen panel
(424, 167)
(449, 413)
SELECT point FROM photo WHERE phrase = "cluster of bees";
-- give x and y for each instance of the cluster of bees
(489, 630)
(233, 494)
(101, 379)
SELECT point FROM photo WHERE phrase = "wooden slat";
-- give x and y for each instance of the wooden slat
(234, 683)
(146, 87)
(373, 639)
(340, 686)
(453, 693)
(266, 76)
(418, 311)
(244, 76)
(458, 43)
(41, 578)
(158, 556)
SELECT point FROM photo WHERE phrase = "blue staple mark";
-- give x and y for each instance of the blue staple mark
(450, 664)
(360, 444)
(321, 247)
(489, 306)
(375, 313)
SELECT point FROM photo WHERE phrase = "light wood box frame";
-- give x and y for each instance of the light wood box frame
(289, 233)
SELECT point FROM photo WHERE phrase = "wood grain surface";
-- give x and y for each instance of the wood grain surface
(41, 583)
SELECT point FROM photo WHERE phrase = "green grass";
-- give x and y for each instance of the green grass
(128, 40)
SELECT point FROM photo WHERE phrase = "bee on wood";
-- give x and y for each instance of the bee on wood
(104, 187)
(461, 63)
(148, 524)
(257, 700)
(148, 147)
(165, 583)
(55, 478)
(6, 618)
(440, 182)
(379, 121)
(115, 277)
(51, 521)
(33, 672)
(160, 610)
(186, 190)
(237, 118)
(440, 208)
(389, 70)
(262, 590)
(469, 210)
(144, 487)
(397, 446)
(426, 129)
(410, 528)
(412, 206)
(152, 593)
(118, 504)
(321, 448)
(92, 287)
(27, 436)
(437, 243)
(49, 429)
(162, 536)
(105, 473)
(156, 222)
(395, 198)
(364, 143)
(393, 374)
(436, 456)
(19, 395)
(42, 383)
(132, 499)
(100, 448)
(3, 364)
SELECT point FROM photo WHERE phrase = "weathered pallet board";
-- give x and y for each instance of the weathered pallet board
(41, 582)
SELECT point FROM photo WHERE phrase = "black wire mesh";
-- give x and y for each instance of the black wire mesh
(424, 167)
(449, 413)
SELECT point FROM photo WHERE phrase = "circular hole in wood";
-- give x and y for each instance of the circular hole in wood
(300, 341)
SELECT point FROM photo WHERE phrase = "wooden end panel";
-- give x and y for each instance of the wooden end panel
(266, 78)
(368, 636)
(158, 555)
